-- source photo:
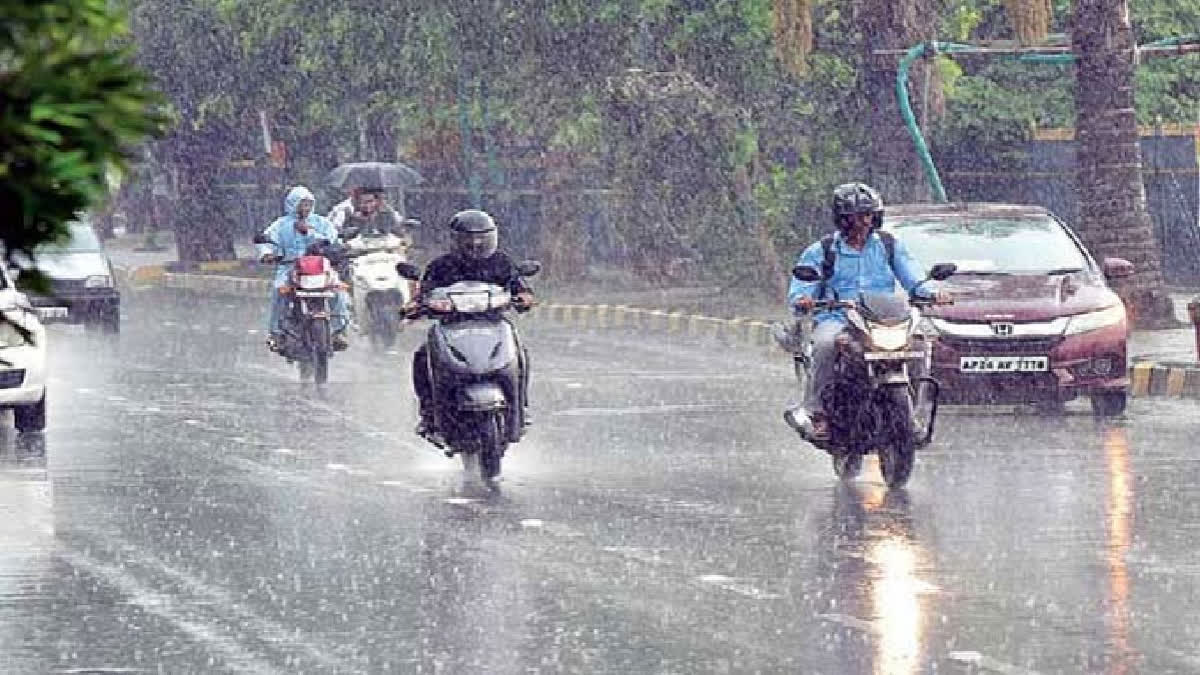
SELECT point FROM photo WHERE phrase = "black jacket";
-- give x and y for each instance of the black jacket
(451, 268)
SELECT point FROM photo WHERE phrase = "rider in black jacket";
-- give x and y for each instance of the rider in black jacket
(475, 258)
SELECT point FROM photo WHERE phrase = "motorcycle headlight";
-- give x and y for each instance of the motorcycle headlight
(890, 337)
(1082, 323)
(98, 281)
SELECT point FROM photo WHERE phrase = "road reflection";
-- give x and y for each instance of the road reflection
(876, 558)
(26, 541)
(1119, 514)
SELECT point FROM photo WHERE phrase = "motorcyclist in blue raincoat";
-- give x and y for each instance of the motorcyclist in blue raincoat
(290, 236)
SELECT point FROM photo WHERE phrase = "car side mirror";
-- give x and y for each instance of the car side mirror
(261, 238)
(942, 271)
(806, 273)
(408, 271)
(529, 268)
(1118, 268)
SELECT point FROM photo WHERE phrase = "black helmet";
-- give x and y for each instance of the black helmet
(475, 234)
(852, 198)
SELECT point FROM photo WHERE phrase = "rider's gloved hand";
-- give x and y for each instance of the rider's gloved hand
(270, 258)
(804, 303)
(523, 301)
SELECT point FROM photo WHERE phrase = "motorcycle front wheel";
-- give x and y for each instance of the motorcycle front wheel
(847, 465)
(897, 454)
(492, 443)
(318, 344)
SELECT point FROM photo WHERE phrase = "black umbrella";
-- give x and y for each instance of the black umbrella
(379, 175)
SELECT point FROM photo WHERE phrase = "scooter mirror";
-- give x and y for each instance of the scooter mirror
(806, 273)
(942, 271)
(528, 268)
(408, 271)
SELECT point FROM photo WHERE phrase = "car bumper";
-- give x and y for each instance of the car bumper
(22, 376)
(80, 305)
(1078, 365)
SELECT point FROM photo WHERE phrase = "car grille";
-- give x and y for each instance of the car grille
(61, 286)
(10, 379)
(1012, 346)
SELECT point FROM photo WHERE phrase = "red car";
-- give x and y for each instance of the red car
(1033, 319)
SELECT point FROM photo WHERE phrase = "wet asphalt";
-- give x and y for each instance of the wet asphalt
(193, 508)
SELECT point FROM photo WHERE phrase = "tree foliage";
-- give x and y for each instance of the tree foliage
(470, 85)
(72, 107)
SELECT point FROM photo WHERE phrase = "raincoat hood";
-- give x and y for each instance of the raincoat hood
(295, 196)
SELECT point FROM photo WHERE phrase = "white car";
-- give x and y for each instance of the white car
(22, 358)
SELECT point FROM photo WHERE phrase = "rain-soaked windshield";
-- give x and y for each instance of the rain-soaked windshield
(81, 239)
(985, 245)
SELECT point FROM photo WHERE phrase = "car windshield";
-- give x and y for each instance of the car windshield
(82, 240)
(991, 245)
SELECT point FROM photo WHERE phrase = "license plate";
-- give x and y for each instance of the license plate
(887, 356)
(51, 312)
(1004, 364)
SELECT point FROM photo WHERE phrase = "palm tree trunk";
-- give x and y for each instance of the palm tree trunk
(1114, 220)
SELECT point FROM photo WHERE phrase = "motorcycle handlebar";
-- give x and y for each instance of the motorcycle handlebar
(847, 304)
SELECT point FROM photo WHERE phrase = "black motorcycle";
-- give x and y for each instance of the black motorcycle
(477, 369)
(880, 399)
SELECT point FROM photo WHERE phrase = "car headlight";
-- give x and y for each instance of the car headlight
(1104, 318)
(11, 335)
(98, 281)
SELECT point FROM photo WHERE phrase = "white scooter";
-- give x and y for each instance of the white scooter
(378, 291)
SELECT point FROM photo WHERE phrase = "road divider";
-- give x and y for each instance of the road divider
(1148, 378)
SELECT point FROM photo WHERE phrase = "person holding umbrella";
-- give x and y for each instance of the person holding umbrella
(368, 212)
(366, 183)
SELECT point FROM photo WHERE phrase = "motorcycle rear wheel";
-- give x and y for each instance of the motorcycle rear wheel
(897, 456)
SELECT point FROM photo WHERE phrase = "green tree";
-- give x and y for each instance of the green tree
(72, 108)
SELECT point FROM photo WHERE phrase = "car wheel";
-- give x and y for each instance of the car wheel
(1109, 403)
(110, 320)
(30, 417)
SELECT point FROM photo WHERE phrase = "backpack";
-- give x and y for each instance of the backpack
(889, 245)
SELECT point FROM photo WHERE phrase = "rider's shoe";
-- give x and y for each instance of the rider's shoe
(426, 430)
(814, 427)
(274, 341)
(340, 341)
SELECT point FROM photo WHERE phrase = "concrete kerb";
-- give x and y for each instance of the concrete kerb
(1147, 378)
(1162, 378)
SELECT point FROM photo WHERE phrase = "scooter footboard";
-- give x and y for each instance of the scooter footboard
(482, 397)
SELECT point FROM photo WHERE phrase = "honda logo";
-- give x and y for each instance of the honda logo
(1002, 329)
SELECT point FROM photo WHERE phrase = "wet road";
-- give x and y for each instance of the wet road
(193, 508)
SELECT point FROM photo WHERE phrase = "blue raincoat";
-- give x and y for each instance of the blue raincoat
(857, 272)
(290, 243)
